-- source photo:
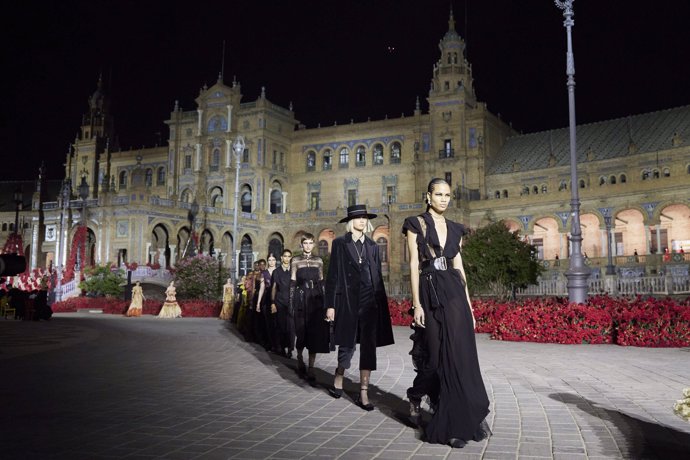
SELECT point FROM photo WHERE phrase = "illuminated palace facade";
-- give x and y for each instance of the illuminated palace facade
(292, 180)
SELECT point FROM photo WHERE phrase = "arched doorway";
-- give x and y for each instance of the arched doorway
(246, 255)
(160, 246)
(206, 244)
(183, 243)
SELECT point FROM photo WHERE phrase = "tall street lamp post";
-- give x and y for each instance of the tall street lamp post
(610, 269)
(17, 203)
(83, 194)
(578, 273)
(238, 147)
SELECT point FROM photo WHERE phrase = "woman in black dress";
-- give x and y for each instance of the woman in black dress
(445, 351)
(306, 301)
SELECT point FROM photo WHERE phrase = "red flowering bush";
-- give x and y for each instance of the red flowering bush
(400, 311)
(200, 308)
(117, 306)
(554, 321)
(648, 322)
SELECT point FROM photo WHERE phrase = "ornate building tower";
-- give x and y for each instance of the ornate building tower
(90, 157)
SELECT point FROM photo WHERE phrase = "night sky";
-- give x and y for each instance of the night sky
(334, 60)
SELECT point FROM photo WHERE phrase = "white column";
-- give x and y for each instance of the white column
(604, 244)
(197, 161)
(284, 202)
(614, 248)
(173, 253)
(268, 208)
(647, 239)
(148, 251)
(34, 245)
(228, 154)
(198, 125)
(229, 118)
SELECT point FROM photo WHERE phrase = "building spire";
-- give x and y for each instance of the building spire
(451, 21)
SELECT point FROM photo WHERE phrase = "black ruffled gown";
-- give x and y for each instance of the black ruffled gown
(447, 367)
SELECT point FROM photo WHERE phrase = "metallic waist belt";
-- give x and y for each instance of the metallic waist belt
(437, 264)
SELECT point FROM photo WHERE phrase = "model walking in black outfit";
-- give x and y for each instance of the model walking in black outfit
(356, 301)
(306, 301)
(284, 339)
(445, 351)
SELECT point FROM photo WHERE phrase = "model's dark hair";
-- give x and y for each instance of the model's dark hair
(432, 185)
(270, 254)
(261, 261)
(307, 236)
(286, 250)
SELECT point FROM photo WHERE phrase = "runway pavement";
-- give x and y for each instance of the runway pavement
(89, 386)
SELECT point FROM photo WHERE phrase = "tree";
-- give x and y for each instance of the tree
(497, 261)
(102, 280)
(200, 277)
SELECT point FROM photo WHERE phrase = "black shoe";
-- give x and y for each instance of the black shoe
(456, 443)
(335, 392)
(367, 407)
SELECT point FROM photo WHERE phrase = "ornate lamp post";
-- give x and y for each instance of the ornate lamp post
(578, 272)
(194, 210)
(608, 220)
(238, 147)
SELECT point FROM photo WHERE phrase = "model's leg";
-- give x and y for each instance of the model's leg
(310, 370)
(363, 399)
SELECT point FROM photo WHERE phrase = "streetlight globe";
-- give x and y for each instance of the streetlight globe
(238, 145)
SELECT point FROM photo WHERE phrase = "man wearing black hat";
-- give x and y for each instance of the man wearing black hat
(356, 301)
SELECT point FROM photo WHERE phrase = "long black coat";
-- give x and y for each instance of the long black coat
(342, 291)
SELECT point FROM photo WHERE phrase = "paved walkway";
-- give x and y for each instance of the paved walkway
(97, 386)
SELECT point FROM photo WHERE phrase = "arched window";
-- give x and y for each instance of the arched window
(344, 157)
(582, 183)
(186, 196)
(217, 123)
(497, 194)
(311, 160)
(655, 174)
(276, 202)
(395, 153)
(214, 163)
(667, 172)
(360, 156)
(645, 174)
(535, 190)
(123, 179)
(624, 179)
(246, 199)
(544, 188)
(505, 193)
(149, 177)
(688, 169)
(563, 186)
(275, 247)
(378, 154)
(4, 227)
(245, 156)
(602, 180)
(160, 177)
(525, 190)
(383, 249)
(327, 159)
(323, 248)
(216, 197)
(11, 226)
(612, 180)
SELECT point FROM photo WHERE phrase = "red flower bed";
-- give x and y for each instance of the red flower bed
(643, 322)
(554, 321)
(648, 322)
(117, 306)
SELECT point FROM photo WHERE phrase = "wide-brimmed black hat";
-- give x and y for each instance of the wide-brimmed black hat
(357, 210)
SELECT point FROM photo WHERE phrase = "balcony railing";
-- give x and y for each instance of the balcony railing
(446, 153)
